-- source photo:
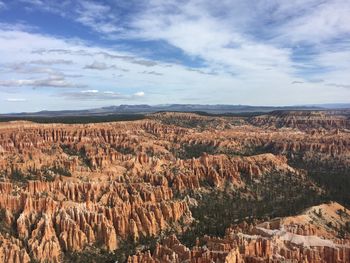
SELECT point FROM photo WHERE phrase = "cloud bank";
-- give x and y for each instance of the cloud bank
(265, 52)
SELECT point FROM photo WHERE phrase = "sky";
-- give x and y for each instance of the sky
(57, 55)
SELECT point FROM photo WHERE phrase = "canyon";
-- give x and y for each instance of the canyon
(177, 187)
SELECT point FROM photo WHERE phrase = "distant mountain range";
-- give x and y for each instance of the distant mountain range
(144, 109)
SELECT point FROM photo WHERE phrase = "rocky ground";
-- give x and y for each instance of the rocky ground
(177, 187)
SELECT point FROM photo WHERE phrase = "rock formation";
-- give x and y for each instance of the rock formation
(279, 240)
(66, 188)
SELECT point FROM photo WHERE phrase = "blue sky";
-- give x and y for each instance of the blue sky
(84, 54)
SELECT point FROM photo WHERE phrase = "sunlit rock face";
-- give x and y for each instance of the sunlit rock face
(68, 188)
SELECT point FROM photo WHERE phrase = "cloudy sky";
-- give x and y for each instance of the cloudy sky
(85, 54)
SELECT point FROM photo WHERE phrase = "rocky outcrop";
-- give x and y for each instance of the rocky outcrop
(247, 243)
(43, 242)
(12, 251)
(304, 120)
(65, 188)
(78, 215)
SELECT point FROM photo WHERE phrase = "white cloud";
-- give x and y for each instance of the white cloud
(152, 73)
(52, 81)
(345, 86)
(139, 94)
(322, 21)
(16, 100)
(192, 28)
(96, 95)
(103, 66)
(2, 5)
(97, 16)
(62, 60)
(51, 62)
(33, 2)
(97, 65)
(90, 91)
(251, 52)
